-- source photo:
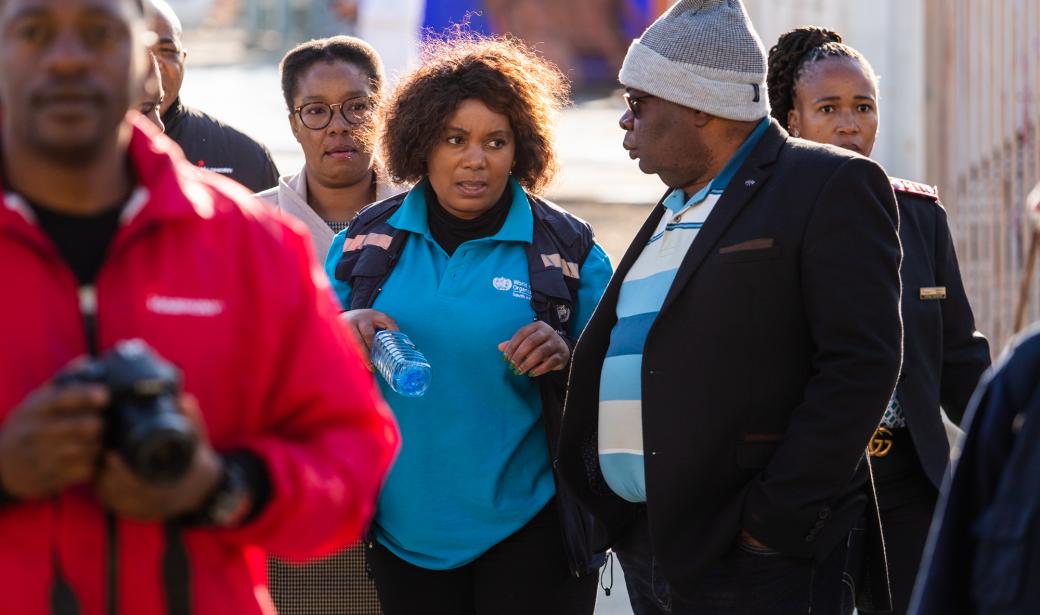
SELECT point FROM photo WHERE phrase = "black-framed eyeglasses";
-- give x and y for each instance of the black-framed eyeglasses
(635, 103)
(318, 115)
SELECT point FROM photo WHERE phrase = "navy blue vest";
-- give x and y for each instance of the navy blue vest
(559, 247)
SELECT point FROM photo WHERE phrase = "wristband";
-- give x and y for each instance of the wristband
(230, 502)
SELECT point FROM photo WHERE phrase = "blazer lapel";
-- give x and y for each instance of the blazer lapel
(639, 241)
(632, 254)
(604, 316)
(745, 183)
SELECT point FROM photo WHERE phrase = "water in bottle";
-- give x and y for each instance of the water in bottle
(401, 364)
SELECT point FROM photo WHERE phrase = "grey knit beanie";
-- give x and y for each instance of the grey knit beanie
(702, 54)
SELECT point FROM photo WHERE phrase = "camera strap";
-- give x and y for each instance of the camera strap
(87, 295)
(62, 598)
(175, 564)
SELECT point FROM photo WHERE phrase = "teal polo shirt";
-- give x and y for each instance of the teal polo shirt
(474, 466)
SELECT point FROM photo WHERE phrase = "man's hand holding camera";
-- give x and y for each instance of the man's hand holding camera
(125, 493)
(52, 440)
(120, 422)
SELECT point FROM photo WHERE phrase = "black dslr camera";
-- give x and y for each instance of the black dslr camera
(142, 422)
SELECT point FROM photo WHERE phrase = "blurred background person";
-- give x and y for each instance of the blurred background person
(332, 87)
(585, 37)
(825, 91)
(152, 94)
(391, 26)
(207, 142)
(471, 520)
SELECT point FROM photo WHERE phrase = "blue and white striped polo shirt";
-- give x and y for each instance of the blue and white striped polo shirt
(640, 299)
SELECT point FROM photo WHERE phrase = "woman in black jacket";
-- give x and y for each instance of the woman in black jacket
(825, 91)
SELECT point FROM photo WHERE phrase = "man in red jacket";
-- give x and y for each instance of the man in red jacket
(107, 235)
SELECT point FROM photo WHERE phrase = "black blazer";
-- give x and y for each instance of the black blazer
(767, 369)
(943, 355)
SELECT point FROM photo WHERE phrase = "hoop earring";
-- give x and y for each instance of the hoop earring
(795, 133)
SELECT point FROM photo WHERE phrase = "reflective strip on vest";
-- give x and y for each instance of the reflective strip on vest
(570, 269)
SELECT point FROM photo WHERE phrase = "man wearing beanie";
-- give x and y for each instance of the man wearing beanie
(723, 394)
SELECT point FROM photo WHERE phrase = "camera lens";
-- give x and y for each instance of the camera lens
(143, 422)
(164, 456)
(157, 443)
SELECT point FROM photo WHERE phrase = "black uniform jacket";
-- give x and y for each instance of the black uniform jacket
(209, 143)
(943, 355)
(767, 368)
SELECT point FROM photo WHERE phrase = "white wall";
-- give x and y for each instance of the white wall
(890, 33)
(191, 12)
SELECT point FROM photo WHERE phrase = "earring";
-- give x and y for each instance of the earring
(795, 133)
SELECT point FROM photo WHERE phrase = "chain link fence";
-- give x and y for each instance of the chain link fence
(982, 116)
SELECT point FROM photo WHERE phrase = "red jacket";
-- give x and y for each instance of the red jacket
(228, 291)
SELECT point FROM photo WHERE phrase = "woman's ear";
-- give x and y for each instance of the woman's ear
(793, 121)
(294, 126)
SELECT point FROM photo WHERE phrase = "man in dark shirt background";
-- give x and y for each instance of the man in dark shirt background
(207, 142)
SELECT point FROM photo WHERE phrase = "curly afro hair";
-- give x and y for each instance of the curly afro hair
(792, 53)
(501, 72)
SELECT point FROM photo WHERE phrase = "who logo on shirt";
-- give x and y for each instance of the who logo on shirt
(520, 288)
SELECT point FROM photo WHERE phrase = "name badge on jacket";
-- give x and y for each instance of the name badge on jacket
(933, 292)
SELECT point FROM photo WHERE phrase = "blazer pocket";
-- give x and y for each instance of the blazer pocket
(764, 248)
(754, 451)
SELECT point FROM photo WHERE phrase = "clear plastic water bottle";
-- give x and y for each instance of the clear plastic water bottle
(403, 367)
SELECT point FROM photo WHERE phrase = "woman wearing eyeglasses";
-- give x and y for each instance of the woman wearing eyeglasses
(331, 87)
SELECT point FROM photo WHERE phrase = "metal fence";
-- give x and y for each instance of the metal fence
(982, 113)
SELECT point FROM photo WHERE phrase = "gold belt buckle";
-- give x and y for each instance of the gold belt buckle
(880, 443)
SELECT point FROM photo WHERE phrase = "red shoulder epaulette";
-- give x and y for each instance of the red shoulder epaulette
(909, 187)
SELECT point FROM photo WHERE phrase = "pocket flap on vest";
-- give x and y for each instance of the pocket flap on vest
(372, 262)
(551, 283)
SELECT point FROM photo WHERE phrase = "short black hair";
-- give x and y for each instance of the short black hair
(335, 48)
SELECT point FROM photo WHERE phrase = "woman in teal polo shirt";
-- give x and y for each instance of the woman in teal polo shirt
(469, 520)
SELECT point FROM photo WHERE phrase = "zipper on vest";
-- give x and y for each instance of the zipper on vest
(603, 572)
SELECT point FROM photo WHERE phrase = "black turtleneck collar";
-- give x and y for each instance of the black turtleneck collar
(450, 232)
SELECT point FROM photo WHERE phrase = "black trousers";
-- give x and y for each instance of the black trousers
(906, 500)
(524, 574)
